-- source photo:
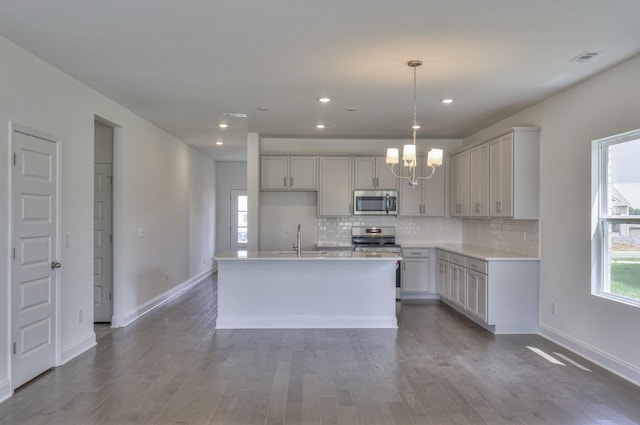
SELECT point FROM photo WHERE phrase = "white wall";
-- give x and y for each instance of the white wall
(229, 175)
(278, 209)
(156, 187)
(605, 105)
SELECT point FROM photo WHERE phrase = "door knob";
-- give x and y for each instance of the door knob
(55, 265)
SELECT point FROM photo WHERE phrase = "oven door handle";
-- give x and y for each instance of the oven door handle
(388, 203)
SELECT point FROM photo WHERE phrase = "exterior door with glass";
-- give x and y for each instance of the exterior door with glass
(238, 228)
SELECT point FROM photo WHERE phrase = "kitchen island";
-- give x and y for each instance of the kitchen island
(319, 289)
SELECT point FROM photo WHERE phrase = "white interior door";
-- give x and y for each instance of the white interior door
(34, 276)
(102, 243)
(238, 228)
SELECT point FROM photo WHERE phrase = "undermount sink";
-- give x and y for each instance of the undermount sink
(303, 253)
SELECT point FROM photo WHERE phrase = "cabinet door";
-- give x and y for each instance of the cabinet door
(464, 182)
(501, 176)
(458, 285)
(506, 175)
(479, 176)
(274, 172)
(472, 292)
(415, 275)
(443, 279)
(303, 173)
(410, 203)
(334, 194)
(433, 193)
(481, 310)
(364, 173)
(459, 202)
(385, 179)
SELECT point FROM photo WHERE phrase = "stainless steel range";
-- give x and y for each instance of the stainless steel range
(378, 239)
(374, 239)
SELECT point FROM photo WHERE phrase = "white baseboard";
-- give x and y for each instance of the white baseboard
(152, 304)
(301, 322)
(419, 296)
(614, 365)
(77, 347)
(5, 390)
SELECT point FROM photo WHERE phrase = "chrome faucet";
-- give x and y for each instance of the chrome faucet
(298, 243)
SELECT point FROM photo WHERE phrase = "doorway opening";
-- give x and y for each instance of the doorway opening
(103, 227)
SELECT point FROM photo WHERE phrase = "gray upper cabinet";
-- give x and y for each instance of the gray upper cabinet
(335, 194)
(460, 180)
(427, 199)
(372, 173)
(514, 174)
(479, 183)
(498, 178)
(289, 173)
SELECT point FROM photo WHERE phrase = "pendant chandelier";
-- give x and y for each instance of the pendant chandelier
(434, 157)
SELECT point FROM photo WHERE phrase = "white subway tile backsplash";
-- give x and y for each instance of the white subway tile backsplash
(428, 230)
(517, 236)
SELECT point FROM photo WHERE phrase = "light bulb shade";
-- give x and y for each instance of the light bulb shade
(434, 158)
(409, 155)
(392, 156)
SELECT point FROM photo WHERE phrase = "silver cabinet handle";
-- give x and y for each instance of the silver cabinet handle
(55, 265)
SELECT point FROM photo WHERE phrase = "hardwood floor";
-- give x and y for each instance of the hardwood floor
(171, 367)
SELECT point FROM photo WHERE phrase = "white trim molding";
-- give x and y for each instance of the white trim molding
(5, 390)
(133, 315)
(593, 354)
(301, 322)
(77, 347)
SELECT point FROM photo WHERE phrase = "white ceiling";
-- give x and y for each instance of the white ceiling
(183, 64)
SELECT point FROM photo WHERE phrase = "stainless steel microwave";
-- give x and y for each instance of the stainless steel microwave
(375, 202)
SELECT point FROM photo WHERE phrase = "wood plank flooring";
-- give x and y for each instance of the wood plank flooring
(172, 367)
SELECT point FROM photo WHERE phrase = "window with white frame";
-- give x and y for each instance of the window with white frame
(616, 218)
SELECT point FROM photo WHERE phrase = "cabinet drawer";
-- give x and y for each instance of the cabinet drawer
(477, 265)
(415, 252)
(457, 259)
(443, 255)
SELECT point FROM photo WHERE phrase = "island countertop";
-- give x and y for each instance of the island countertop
(306, 256)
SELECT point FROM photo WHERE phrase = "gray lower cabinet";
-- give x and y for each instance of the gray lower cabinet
(417, 279)
(499, 294)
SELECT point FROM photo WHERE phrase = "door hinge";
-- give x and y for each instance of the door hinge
(110, 296)
(14, 347)
(15, 160)
(110, 238)
(14, 253)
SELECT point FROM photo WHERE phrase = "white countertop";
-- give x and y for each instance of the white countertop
(306, 256)
(486, 254)
(346, 245)
(481, 253)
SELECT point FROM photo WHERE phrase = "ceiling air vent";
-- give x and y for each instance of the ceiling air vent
(583, 57)
(234, 115)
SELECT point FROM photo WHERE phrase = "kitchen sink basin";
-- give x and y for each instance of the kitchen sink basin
(303, 253)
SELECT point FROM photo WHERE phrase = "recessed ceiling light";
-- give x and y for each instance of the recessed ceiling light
(350, 109)
(320, 126)
(324, 99)
(234, 115)
(447, 101)
(263, 109)
(223, 125)
(219, 143)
